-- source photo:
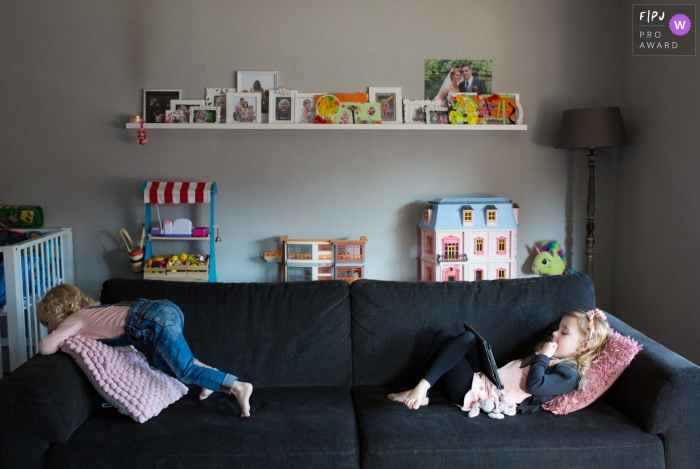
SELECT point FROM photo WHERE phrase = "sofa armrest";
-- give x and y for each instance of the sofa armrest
(42, 403)
(660, 392)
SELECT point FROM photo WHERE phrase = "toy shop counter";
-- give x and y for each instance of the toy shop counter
(322, 357)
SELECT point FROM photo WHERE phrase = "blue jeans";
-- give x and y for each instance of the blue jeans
(159, 324)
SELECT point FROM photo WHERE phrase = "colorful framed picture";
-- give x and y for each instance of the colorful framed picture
(283, 104)
(205, 115)
(359, 113)
(185, 105)
(390, 103)
(156, 102)
(217, 97)
(414, 111)
(305, 107)
(243, 108)
(464, 108)
(258, 82)
(502, 108)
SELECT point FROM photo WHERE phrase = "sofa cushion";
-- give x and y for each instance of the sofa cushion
(288, 427)
(441, 435)
(269, 334)
(394, 322)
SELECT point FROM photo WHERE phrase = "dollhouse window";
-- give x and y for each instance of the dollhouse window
(467, 217)
(299, 251)
(479, 246)
(478, 274)
(428, 274)
(500, 273)
(298, 274)
(325, 270)
(349, 252)
(429, 244)
(349, 274)
(501, 245)
(324, 252)
(426, 216)
(491, 217)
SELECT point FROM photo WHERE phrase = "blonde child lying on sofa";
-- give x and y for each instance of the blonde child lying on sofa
(558, 367)
(66, 311)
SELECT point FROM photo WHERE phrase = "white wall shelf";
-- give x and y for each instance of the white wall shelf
(254, 126)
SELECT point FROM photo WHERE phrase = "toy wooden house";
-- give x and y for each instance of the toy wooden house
(320, 259)
(469, 239)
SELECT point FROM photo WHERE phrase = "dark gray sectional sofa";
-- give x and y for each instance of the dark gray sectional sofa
(322, 357)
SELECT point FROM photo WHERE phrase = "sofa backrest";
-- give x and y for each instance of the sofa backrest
(269, 334)
(394, 322)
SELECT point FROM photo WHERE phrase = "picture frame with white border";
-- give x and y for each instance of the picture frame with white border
(156, 102)
(174, 117)
(187, 104)
(394, 113)
(410, 106)
(277, 98)
(439, 110)
(242, 116)
(299, 100)
(212, 115)
(266, 80)
(212, 95)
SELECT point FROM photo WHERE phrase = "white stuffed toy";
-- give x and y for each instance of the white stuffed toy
(494, 409)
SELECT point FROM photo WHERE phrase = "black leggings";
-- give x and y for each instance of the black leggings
(455, 359)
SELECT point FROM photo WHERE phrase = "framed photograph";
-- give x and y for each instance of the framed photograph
(185, 105)
(390, 102)
(156, 102)
(358, 113)
(414, 111)
(243, 107)
(174, 117)
(217, 97)
(436, 114)
(205, 115)
(283, 103)
(258, 82)
(305, 108)
(457, 76)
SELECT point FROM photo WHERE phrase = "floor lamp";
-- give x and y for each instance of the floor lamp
(591, 128)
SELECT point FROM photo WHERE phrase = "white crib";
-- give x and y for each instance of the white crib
(32, 268)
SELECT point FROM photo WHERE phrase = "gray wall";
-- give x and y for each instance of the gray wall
(74, 71)
(655, 281)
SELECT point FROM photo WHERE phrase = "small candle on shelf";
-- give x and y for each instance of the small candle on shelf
(135, 119)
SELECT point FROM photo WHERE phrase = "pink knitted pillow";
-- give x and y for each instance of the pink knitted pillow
(124, 379)
(616, 355)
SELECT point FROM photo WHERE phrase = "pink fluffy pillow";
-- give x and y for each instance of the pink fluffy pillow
(124, 379)
(616, 355)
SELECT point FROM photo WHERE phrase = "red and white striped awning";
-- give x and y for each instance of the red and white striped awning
(177, 192)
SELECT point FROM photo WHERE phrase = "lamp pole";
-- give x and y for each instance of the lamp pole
(590, 212)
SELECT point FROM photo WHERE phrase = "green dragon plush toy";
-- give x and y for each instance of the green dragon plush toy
(550, 259)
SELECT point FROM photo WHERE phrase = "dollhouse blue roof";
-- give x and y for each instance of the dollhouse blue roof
(447, 213)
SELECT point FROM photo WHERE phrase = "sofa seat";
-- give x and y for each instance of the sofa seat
(289, 427)
(441, 435)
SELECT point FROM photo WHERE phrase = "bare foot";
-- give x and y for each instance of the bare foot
(401, 397)
(415, 397)
(242, 391)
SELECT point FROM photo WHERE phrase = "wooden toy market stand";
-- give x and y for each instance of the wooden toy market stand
(180, 193)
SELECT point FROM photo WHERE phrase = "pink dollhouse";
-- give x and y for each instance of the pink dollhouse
(469, 239)
(320, 259)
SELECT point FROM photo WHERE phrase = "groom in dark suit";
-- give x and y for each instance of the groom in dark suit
(471, 84)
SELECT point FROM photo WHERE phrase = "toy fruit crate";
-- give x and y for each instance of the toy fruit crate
(198, 271)
(168, 272)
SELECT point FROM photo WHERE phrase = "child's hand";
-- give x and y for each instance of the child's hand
(549, 348)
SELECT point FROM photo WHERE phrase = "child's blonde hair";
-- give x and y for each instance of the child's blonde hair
(60, 302)
(594, 327)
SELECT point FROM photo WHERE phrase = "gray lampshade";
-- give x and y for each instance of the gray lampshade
(593, 127)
